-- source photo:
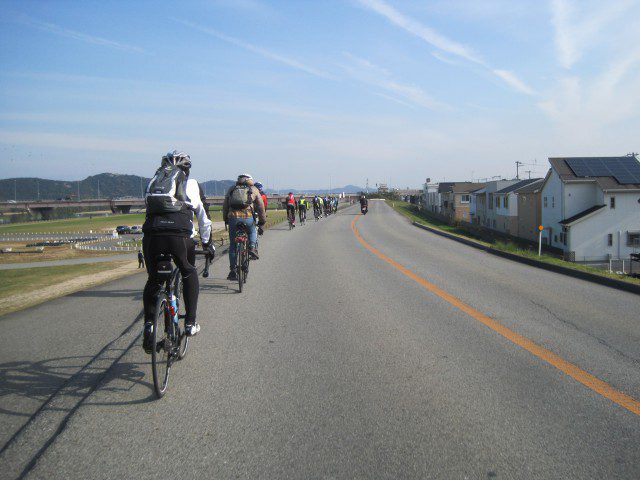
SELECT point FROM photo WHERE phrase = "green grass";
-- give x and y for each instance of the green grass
(85, 224)
(24, 280)
(410, 211)
(75, 224)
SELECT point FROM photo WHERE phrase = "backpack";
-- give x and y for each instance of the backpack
(167, 191)
(240, 197)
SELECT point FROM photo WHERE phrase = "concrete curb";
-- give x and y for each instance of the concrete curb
(589, 277)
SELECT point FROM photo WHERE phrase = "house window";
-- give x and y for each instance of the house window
(633, 239)
(612, 202)
(553, 202)
(505, 202)
(497, 202)
(555, 238)
(609, 239)
(545, 202)
(465, 198)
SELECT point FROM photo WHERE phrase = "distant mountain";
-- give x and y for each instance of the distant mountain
(113, 185)
(325, 191)
(104, 185)
(216, 187)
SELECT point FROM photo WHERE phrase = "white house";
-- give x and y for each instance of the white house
(591, 207)
(430, 197)
(484, 203)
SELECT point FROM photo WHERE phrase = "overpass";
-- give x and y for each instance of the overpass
(116, 205)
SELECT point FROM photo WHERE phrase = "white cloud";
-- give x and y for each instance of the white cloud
(577, 30)
(257, 49)
(367, 72)
(443, 43)
(83, 37)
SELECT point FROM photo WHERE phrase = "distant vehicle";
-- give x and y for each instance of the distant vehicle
(136, 229)
(11, 201)
(123, 229)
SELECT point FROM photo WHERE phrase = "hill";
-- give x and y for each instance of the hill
(112, 185)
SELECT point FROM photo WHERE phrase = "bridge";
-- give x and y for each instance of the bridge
(117, 205)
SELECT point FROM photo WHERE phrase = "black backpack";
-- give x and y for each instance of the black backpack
(167, 191)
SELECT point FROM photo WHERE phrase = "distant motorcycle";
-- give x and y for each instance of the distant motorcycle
(364, 209)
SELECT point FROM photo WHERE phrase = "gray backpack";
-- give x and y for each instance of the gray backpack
(167, 191)
(240, 197)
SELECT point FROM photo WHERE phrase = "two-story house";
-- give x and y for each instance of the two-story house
(456, 200)
(506, 207)
(484, 205)
(591, 206)
(529, 210)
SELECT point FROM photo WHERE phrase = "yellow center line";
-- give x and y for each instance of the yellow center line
(575, 372)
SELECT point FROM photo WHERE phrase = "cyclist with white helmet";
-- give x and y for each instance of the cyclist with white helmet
(240, 203)
(172, 198)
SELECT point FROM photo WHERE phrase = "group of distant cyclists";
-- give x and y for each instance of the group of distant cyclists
(323, 206)
(172, 199)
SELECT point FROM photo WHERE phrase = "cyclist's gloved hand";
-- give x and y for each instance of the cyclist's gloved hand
(210, 249)
(260, 231)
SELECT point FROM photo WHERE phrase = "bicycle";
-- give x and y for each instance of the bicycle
(170, 342)
(302, 212)
(241, 240)
(291, 216)
(316, 213)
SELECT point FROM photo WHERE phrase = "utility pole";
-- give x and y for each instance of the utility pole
(78, 190)
(518, 163)
(529, 172)
(15, 190)
(98, 188)
(367, 186)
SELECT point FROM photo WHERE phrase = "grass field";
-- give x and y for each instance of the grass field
(410, 211)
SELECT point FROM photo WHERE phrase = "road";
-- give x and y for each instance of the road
(336, 362)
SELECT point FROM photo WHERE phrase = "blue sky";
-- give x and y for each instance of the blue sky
(301, 93)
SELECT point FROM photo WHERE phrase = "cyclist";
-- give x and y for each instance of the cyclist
(317, 206)
(327, 206)
(302, 209)
(335, 204)
(172, 198)
(240, 202)
(260, 188)
(291, 208)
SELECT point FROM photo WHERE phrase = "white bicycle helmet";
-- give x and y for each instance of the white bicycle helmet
(179, 159)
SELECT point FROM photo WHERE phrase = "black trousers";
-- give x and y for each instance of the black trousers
(183, 252)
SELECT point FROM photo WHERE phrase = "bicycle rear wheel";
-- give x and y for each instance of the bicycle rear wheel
(160, 357)
(182, 337)
(240, 263)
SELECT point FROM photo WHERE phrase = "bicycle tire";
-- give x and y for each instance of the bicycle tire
(160, 358)
(183, 340)
(239, 268)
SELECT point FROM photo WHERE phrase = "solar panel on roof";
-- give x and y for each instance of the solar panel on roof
(626, 170)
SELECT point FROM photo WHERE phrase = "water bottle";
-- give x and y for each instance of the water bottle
(174, 308)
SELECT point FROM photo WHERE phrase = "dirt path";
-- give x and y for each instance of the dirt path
(20, 301)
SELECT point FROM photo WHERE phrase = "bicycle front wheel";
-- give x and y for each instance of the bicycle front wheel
(160, 358)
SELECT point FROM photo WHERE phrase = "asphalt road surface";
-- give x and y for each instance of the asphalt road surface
(390, 353)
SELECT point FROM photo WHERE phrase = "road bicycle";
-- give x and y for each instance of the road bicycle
(169, 341)
(303, 216)
(241, 240)
(291, 217)
(316, 213)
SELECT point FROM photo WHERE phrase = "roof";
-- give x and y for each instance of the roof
(516, 186)
(605, 182)
(581, 215)
(466, 187)
(531, 187)
(444, 187)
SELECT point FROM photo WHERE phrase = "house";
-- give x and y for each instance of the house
(431, 197)
(456, 200)
(484, 205)
(591, 207)
(506, 207)
(529, 210)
